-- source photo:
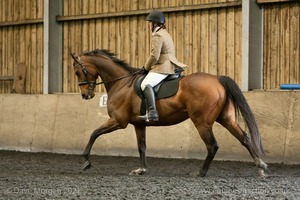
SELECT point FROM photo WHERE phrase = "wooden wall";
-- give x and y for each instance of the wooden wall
(281, 44)
(207, 33)
(21, 40)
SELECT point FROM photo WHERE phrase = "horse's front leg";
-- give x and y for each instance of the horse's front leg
(141, 141)
(109, 126)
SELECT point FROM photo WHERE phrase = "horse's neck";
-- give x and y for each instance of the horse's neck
(111, 74)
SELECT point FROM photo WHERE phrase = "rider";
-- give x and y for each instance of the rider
(161, 63)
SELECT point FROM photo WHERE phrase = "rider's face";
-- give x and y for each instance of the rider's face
(150, 25)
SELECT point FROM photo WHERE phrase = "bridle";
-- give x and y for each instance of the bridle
(86, 73)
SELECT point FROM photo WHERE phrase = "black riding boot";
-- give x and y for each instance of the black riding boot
(151, 103)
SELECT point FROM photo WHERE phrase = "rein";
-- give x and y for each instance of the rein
(122, 77)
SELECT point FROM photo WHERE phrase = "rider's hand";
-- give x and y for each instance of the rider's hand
(144, 70)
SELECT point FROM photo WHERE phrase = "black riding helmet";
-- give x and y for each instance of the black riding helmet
(156, 16)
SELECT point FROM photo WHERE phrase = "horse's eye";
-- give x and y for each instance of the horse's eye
(77, 73)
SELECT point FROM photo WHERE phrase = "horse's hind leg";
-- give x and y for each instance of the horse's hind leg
(211, 145)
(230, 124)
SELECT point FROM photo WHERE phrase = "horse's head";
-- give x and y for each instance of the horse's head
(87, 75)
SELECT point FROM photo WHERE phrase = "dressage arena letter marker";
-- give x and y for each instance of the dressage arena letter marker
(103, 101)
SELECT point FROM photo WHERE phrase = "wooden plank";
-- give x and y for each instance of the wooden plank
(134, 34)
(7, 78)
(204, 41)
(149, 4)
(238, 46)
(275, 1)
(141, 41)
(1, 46)
(164, 3)
(40, 9)
(274, 48)
(36, 89)
(39, 57)
(67, 67)
(188, 39)
(127, 24)
(196, 43)
(213, 42)
(10, 50)
(294, 43)
(222, 23)
(92, 25)
(9, 43)
(135, 4)
(4, 55)
(141, 4)
(98, 26)
(230, 43)
(126, 39)
(179, 42)
(27, 55)
(9, 10)
(16, 13)
(16, 33)
(120, 28)
(85, 27)
(28, 47)
(22, 33)
(118, 35)
(78, 38)
(105, 32)
(112, 26)
(71, 81)
(146, 11)
(20, 78)
(284, 66)
(266, 42)
(105, 28)
(155, 4)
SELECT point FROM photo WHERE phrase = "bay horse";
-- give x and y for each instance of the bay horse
(202, 97)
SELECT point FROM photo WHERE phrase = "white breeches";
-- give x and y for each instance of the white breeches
(153, 79)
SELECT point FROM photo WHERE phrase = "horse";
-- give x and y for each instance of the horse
(203, 98)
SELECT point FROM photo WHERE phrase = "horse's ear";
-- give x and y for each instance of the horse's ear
(73, 56)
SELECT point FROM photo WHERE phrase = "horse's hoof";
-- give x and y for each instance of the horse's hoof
(261, 164)
(195, 174)
(261, 173)
(264, 166)
(139, 171)
(87, 165)
(203, 173)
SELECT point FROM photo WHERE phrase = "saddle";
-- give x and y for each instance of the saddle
(167, 88)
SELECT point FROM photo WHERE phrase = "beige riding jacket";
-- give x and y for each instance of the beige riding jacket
(162, 58)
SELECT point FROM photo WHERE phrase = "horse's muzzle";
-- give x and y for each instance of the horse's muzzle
(88, 93)
(87, 96)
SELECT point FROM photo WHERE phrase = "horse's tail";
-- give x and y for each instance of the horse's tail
(241, 106)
